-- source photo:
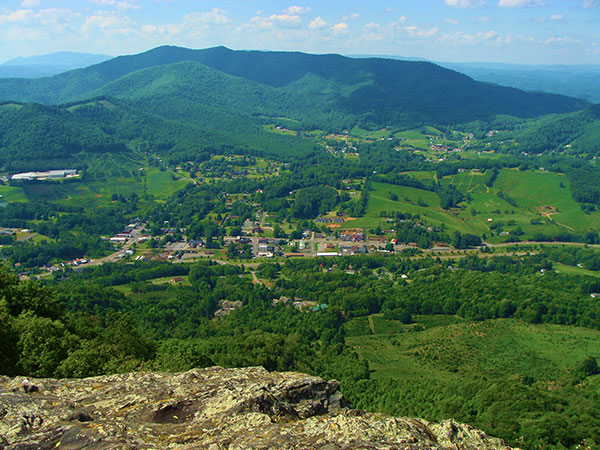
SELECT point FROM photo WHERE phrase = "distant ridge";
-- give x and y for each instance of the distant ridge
(374, 90)
(581, 80)
(48, 65)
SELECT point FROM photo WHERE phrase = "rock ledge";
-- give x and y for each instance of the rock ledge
(212, 409)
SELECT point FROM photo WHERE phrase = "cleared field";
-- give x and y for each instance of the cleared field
(105, 175)
(536, 191)
(453, 349)
(536, 202)
(574, 270)
(414, 201)
(12, 194)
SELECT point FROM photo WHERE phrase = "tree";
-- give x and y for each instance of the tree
(588, 367)
(43, 344)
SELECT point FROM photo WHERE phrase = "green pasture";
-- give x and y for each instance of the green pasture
(458, 349)
(12, 194)
(540, 196)
(574, 270)
(408, 201)
(106, 174)
(370, 134)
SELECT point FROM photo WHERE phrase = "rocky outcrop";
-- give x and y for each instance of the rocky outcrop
(212, 409)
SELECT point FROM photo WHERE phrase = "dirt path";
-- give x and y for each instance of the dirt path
(371, 324)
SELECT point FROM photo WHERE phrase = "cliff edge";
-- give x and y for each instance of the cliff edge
(212, 409)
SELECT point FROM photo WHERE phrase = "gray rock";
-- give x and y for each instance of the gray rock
(208, 409)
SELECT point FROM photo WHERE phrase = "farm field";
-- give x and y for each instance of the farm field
(106, 175)
(414, 201)
(533, 202)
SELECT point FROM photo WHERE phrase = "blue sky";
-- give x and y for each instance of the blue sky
(511, 31)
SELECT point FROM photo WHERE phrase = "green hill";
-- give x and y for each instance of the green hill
(39, 137)
(373, 91)
(580, 131)
(507, 377)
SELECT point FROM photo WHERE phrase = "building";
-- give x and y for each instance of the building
(48, 175)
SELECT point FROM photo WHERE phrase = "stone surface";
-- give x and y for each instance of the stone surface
(211, 409)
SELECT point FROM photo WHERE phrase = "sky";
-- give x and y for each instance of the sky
(509, 31)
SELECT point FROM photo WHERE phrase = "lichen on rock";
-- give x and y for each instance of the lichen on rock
(212, 409)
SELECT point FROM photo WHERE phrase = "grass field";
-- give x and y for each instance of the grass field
(12, 194)
(534, 201)
(107, 174)
(453, 349)
(574, 270)
(410, 200)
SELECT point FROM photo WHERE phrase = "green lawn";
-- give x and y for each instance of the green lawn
(574, 270)
(12, 194)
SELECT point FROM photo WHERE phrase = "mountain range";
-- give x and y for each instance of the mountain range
(581, 81)
(185, 102)
(48, 65)
(314, 89)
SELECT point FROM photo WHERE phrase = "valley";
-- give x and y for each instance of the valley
(430, 241)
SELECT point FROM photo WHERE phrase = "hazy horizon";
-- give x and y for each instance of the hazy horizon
(532, 32)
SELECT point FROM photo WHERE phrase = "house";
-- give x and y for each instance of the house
(227, 306)
(304, 304)
(281, 300)
(195, 243)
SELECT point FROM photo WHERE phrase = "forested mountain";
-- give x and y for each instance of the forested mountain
(40, 137)
(374, 91)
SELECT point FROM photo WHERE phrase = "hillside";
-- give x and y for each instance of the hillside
(40, 137)
(373, 91)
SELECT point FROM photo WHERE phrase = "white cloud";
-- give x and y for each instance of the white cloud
(192, 24)
(463, 4)
(340, 28)
(482, 19)
(414, 31)
(561, 40)
(317, 23)
(120, 5)
(351, 17)
(20, 15)
(484, 38)
(487, 35)
(518, 3)
(104, 21)
(215, 15)
(286, 19)
(56, 18)
(296, 10)
(451, 21)
(554, 18)
(30, 3)
(589, 4)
